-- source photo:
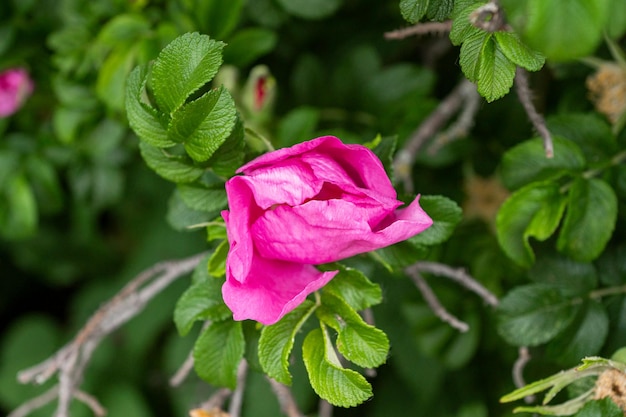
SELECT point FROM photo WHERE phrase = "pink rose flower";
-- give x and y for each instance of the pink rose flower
(15, 87)
(317, 202)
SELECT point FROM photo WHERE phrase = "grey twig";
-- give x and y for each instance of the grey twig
(183, 371)
(91, 402)
(71, 360)
(518, 371)
(216, 400)
(525, 97)
(462, 126)
(419, 29)
(325, 409)
(458, 275)
(36, 403)
(285, 398)
(403, 161)
(236, 400)
(434, 304)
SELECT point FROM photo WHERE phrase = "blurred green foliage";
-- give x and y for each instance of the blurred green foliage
(81, 213)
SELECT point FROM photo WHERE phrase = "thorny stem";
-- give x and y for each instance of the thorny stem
(525, 97)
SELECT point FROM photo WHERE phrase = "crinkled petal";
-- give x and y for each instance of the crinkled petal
(272, 289)
(326, 231)
(360, 164)
(289, 183)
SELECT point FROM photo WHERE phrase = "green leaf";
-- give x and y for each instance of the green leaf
(181, 217)
(589, 131)
(18, 218)
(570, 277)
(357, 341)
(218, 18)
(561, 29)
(385, 150)
(202, 301)
(203, 125)
(298, 125)
(217, 262)
(218, 352)
(462, 27)
(184, 66)
(310, 9)
(142, 118)
(175, 168)
(340, 387)
(111, 82)
(496, 72)
(616, 26)
(352, 286)
(413, 10)
(600, 408)
(248, 45)
(124, 28)
(527, 162)
(446, 214)
(589, 221)
(584, 337)
(517, 52)
(229, 157)
(277, 341)
(202, 198)
(439, 9)
(534, 314)
(532, 211)
(470, 54)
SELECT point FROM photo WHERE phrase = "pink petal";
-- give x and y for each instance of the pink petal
(272, 289)
(326, 231)
(243, 211)
(360, 164)
(285, 183)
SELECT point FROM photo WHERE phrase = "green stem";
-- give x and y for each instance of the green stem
(262, 138)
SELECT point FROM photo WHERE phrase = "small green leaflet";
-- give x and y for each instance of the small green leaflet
(277, 341)
(185, 65)
(446, 214)
(359, 342)
(175, 168)
(201, 301)
(218, 353)
(337, 385)
(143, 119)
(353, 287)
(489, 59)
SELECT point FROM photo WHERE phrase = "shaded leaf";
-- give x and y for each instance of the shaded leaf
(534, 314)
(527, 162)
(532, 211)
(589, 221)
